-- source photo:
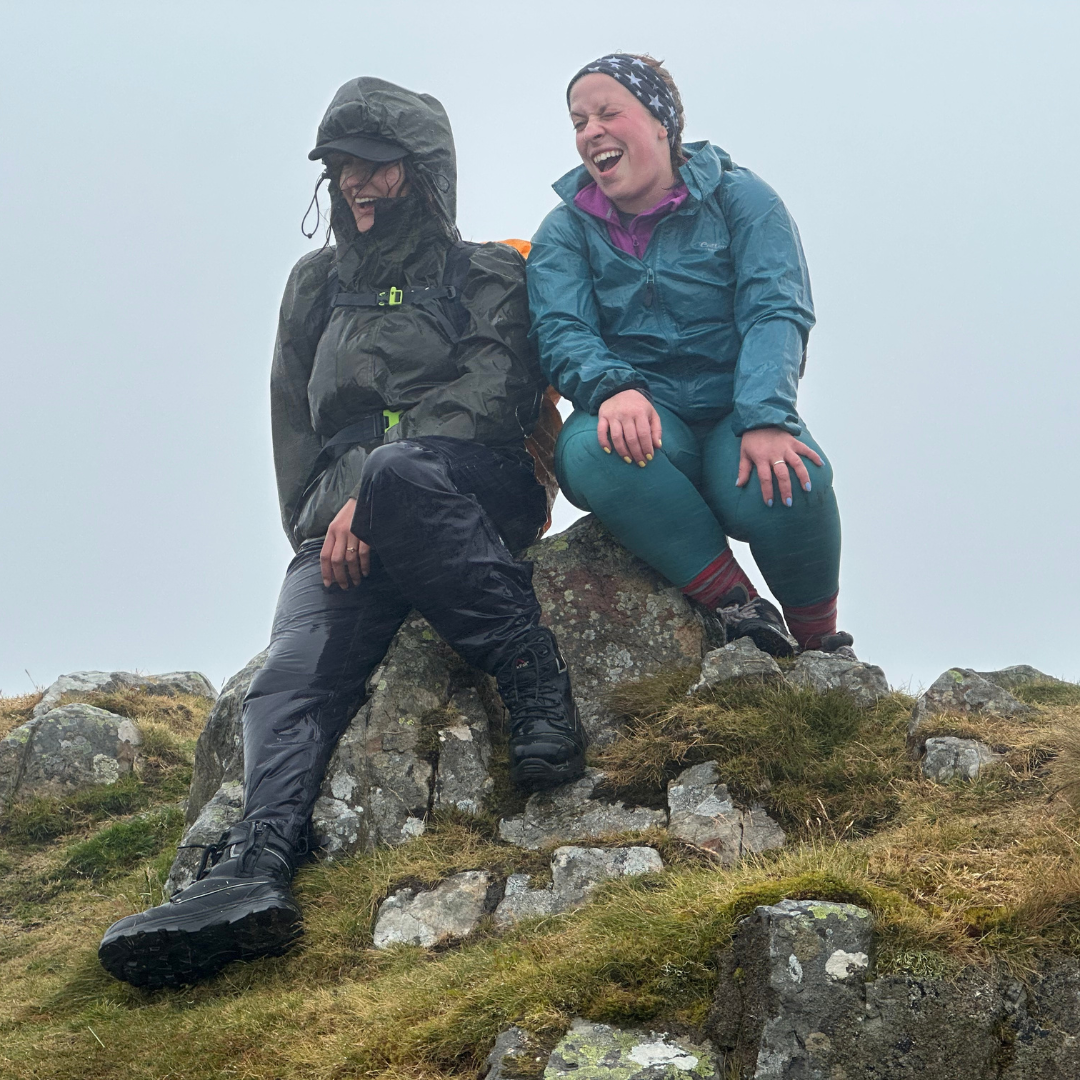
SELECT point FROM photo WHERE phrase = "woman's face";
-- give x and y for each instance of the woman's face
(624, 147)
(362, 182)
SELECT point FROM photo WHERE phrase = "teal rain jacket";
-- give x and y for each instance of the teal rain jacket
(713, 318)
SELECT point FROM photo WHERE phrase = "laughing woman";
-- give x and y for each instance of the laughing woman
(671, 304)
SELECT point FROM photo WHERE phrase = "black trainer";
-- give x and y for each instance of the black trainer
(547, 741)
(756, 619)
(240, 907)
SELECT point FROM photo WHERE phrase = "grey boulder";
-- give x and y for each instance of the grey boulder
(575, 873)
(739, 659)
(84, 682)
(964, 692)
(1009, 678)
(946, 758)
(571, 812)
(591, 1051)
(451, 910)
(819, 671)
(462, 780)
(700, 811)
(616, 619)
(72, 747)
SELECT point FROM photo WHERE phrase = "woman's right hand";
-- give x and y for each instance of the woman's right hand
(630, 424)
(344, 557)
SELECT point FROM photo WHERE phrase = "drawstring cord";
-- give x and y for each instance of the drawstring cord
(318, 209)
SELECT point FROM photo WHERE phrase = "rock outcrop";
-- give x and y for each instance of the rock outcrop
(701, 812)
(866, 683)
(959, 691)
(83, 682)
(798, 998)
(451, 910)
(947, 757)
(576, 872)
(571, 812)
(72, 747)
(591, 1051)
(739, 659)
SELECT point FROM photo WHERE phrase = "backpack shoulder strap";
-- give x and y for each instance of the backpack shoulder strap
(455, 273)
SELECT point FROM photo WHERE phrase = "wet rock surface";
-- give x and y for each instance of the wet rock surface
(616, 619)
(504, 1061)
(866, 683)
(797, 999)
(947, 758)
(702, 813)
(462, 777)
(575, 873)
(83, 682)
(219, 752)
(71, 747)
(223, 811)
(571, 812)
(964, 692)
(739, 659)
(591, 1051)
(451, 910)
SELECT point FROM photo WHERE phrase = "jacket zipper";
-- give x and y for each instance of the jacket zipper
(648, 286)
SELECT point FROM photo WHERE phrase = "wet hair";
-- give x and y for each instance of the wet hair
(418, 179)
(678, 157)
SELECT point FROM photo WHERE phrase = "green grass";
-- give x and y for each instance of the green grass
(1048, 693)
(124, 844)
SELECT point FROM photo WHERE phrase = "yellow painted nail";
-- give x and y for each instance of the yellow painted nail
(607, 449)
(628, 461)
(642, 464)
(648, 457)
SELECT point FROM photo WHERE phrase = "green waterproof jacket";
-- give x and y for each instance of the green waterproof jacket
(712, 318)
(333, 366)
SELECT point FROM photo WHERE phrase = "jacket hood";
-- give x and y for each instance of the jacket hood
(418, 122)
(701, 174)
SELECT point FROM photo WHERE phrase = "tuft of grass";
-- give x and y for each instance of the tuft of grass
(124, 844)
(1050, 692)
(16, 710)
(809, 758)
(183, 714)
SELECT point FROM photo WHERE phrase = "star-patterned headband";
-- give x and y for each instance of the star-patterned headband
(642, 81)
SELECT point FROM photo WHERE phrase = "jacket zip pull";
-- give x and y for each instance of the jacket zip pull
(648, 288)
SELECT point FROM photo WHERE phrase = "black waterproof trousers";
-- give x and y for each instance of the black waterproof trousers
(442, 516)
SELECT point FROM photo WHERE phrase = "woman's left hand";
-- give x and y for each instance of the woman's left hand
(773, 450)
(344, 557)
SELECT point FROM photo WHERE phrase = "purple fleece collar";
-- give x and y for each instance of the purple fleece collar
(632, 239)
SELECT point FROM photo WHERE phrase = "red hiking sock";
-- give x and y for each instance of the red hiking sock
(718, 578)
(808, 625)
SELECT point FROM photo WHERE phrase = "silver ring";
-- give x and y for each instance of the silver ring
(350, 549)
(782, 461)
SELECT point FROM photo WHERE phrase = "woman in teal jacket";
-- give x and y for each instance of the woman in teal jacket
(671, 304)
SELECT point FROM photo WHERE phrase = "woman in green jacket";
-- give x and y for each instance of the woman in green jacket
(671, 304)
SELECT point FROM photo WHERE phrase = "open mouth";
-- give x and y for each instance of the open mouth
(361, 203)
(606, 160)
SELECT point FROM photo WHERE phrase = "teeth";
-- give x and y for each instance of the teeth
(605, 154)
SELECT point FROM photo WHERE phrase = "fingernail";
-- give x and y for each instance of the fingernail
(787, 501)
(648, 457)
(628, 461)
(807, 485)
(607, 449)
(768, 502)
(642, 464)
(659, 443)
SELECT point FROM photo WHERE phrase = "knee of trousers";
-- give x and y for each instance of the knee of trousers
(581, 464)
(397, 466)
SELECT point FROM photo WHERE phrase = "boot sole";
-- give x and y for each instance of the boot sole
(176, 955)
(770, 641)
(536, 774)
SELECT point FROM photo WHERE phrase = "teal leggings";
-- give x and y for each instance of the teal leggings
(678, 511)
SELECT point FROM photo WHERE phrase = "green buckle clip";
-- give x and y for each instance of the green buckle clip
(390, 297)
(395, 297)
(391, 417)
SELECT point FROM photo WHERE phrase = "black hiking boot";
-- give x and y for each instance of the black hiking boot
(756, 619)
(547, 741)
(240, 907)
(839, 644)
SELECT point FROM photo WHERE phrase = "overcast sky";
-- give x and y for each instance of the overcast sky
(153, 173)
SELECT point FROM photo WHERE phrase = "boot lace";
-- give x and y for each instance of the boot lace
(245, 850)
(531, 699)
